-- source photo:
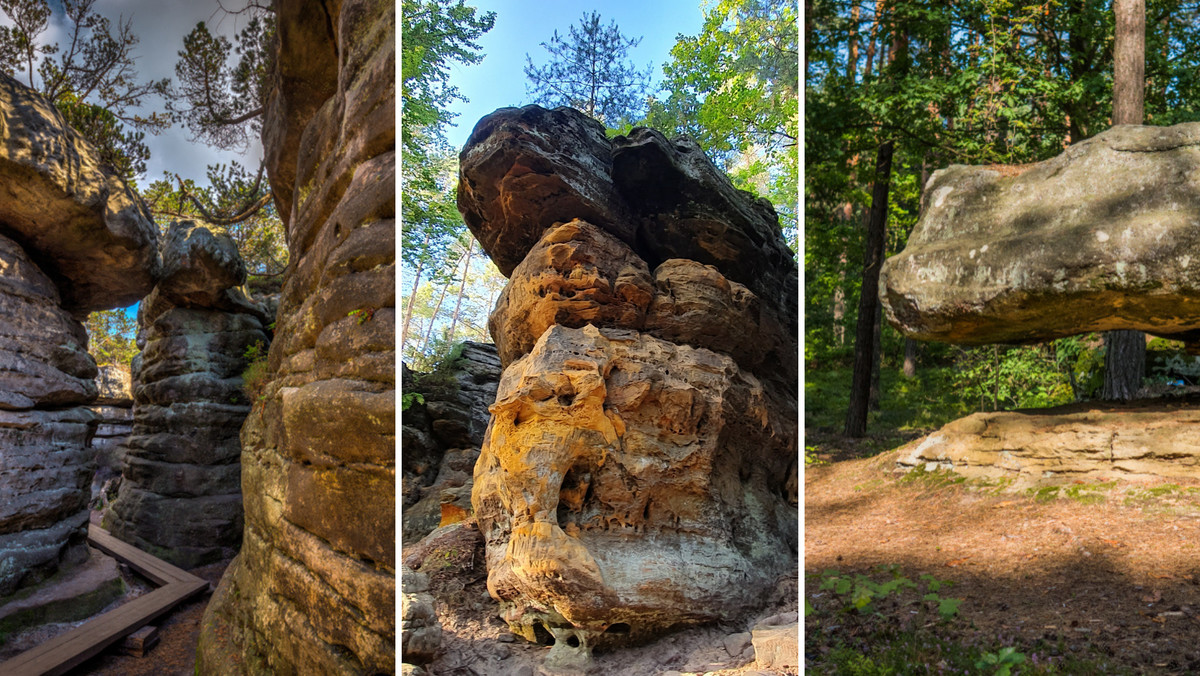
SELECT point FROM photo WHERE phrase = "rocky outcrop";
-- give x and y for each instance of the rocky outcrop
(1153, 439)
(313, 589)
(73, 238)
(180, 494)
(1101, 237)
(114, 407)
(634, 475)
(420, 631)
(101, 250)
(442, 437)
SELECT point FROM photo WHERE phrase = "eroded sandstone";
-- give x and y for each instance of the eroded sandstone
(635, 474)
(313, 589)
(180, 493)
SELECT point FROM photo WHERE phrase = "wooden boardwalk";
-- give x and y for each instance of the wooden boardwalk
(63, 653)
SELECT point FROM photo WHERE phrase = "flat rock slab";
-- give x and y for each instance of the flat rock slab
(71, 595)
(1104, 236)
(1141, 440)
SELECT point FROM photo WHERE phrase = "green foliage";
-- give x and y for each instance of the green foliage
(734, 87)
(1002, 662)
(408, 399)
(858, 593)
(1002, 377)
(111, 337)
(224, 86)
(590, 71)
(91, 78)
(257, 372)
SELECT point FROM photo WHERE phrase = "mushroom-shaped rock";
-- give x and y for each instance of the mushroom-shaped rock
(198, 264)
(87, 229)
(1102, 237)
(524, 169)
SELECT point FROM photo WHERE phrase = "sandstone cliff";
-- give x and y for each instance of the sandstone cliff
(313, 589)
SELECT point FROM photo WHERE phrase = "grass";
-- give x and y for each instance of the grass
(926, 401)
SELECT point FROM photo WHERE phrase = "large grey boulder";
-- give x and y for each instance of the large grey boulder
(1104, 236)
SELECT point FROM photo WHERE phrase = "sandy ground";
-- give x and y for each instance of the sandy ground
(1111, 570)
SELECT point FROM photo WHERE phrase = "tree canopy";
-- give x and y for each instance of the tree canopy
(590, 70)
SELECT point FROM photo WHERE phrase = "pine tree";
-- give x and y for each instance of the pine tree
(590, 71)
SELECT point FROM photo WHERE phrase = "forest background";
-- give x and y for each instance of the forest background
(896, 89)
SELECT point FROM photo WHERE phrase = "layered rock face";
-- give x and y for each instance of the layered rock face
(1101, 237)
(1080, 441)
(442, 438)
(635, 474)
(73, 238)
(114, 406)
(313, 589)
(180, 494)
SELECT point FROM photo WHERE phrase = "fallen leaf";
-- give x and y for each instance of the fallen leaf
(1153, 597)
(957, 562)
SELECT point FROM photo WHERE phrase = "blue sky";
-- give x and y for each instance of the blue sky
(521, 27)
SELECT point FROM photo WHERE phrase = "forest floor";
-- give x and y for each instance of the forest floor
(1097, 577)
(475, 641)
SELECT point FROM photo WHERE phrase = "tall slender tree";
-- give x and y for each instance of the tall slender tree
(1125, 351)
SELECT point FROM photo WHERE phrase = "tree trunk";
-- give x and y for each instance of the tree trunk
(462, 287)
(876, 358)
(412, 297)
(910, 358)
(864, 338)
(1125, 351)
(433, 317)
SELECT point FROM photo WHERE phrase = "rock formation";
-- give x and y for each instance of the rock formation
(635, 472)
(114, 406)
(1101, 237)
(313, 589)
(73, 238)
(1088, 441)
(442, 437)
(180, 494)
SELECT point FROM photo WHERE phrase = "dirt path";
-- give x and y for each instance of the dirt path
(1103, 569)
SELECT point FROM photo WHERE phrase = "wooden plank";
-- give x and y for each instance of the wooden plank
(63, 653)
(159, 571)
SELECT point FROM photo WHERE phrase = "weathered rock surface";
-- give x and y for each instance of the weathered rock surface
(777, 642)
(635, 474)
(313, 589)
(1101, 237)
(114, 407)
(74, 239)
(180, 493)
(629, 484)
(442, 437)
(101, 249)
(420, 631)
(524, 169)
(1091, 440)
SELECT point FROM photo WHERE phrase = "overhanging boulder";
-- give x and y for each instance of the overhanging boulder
(1104, 236)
